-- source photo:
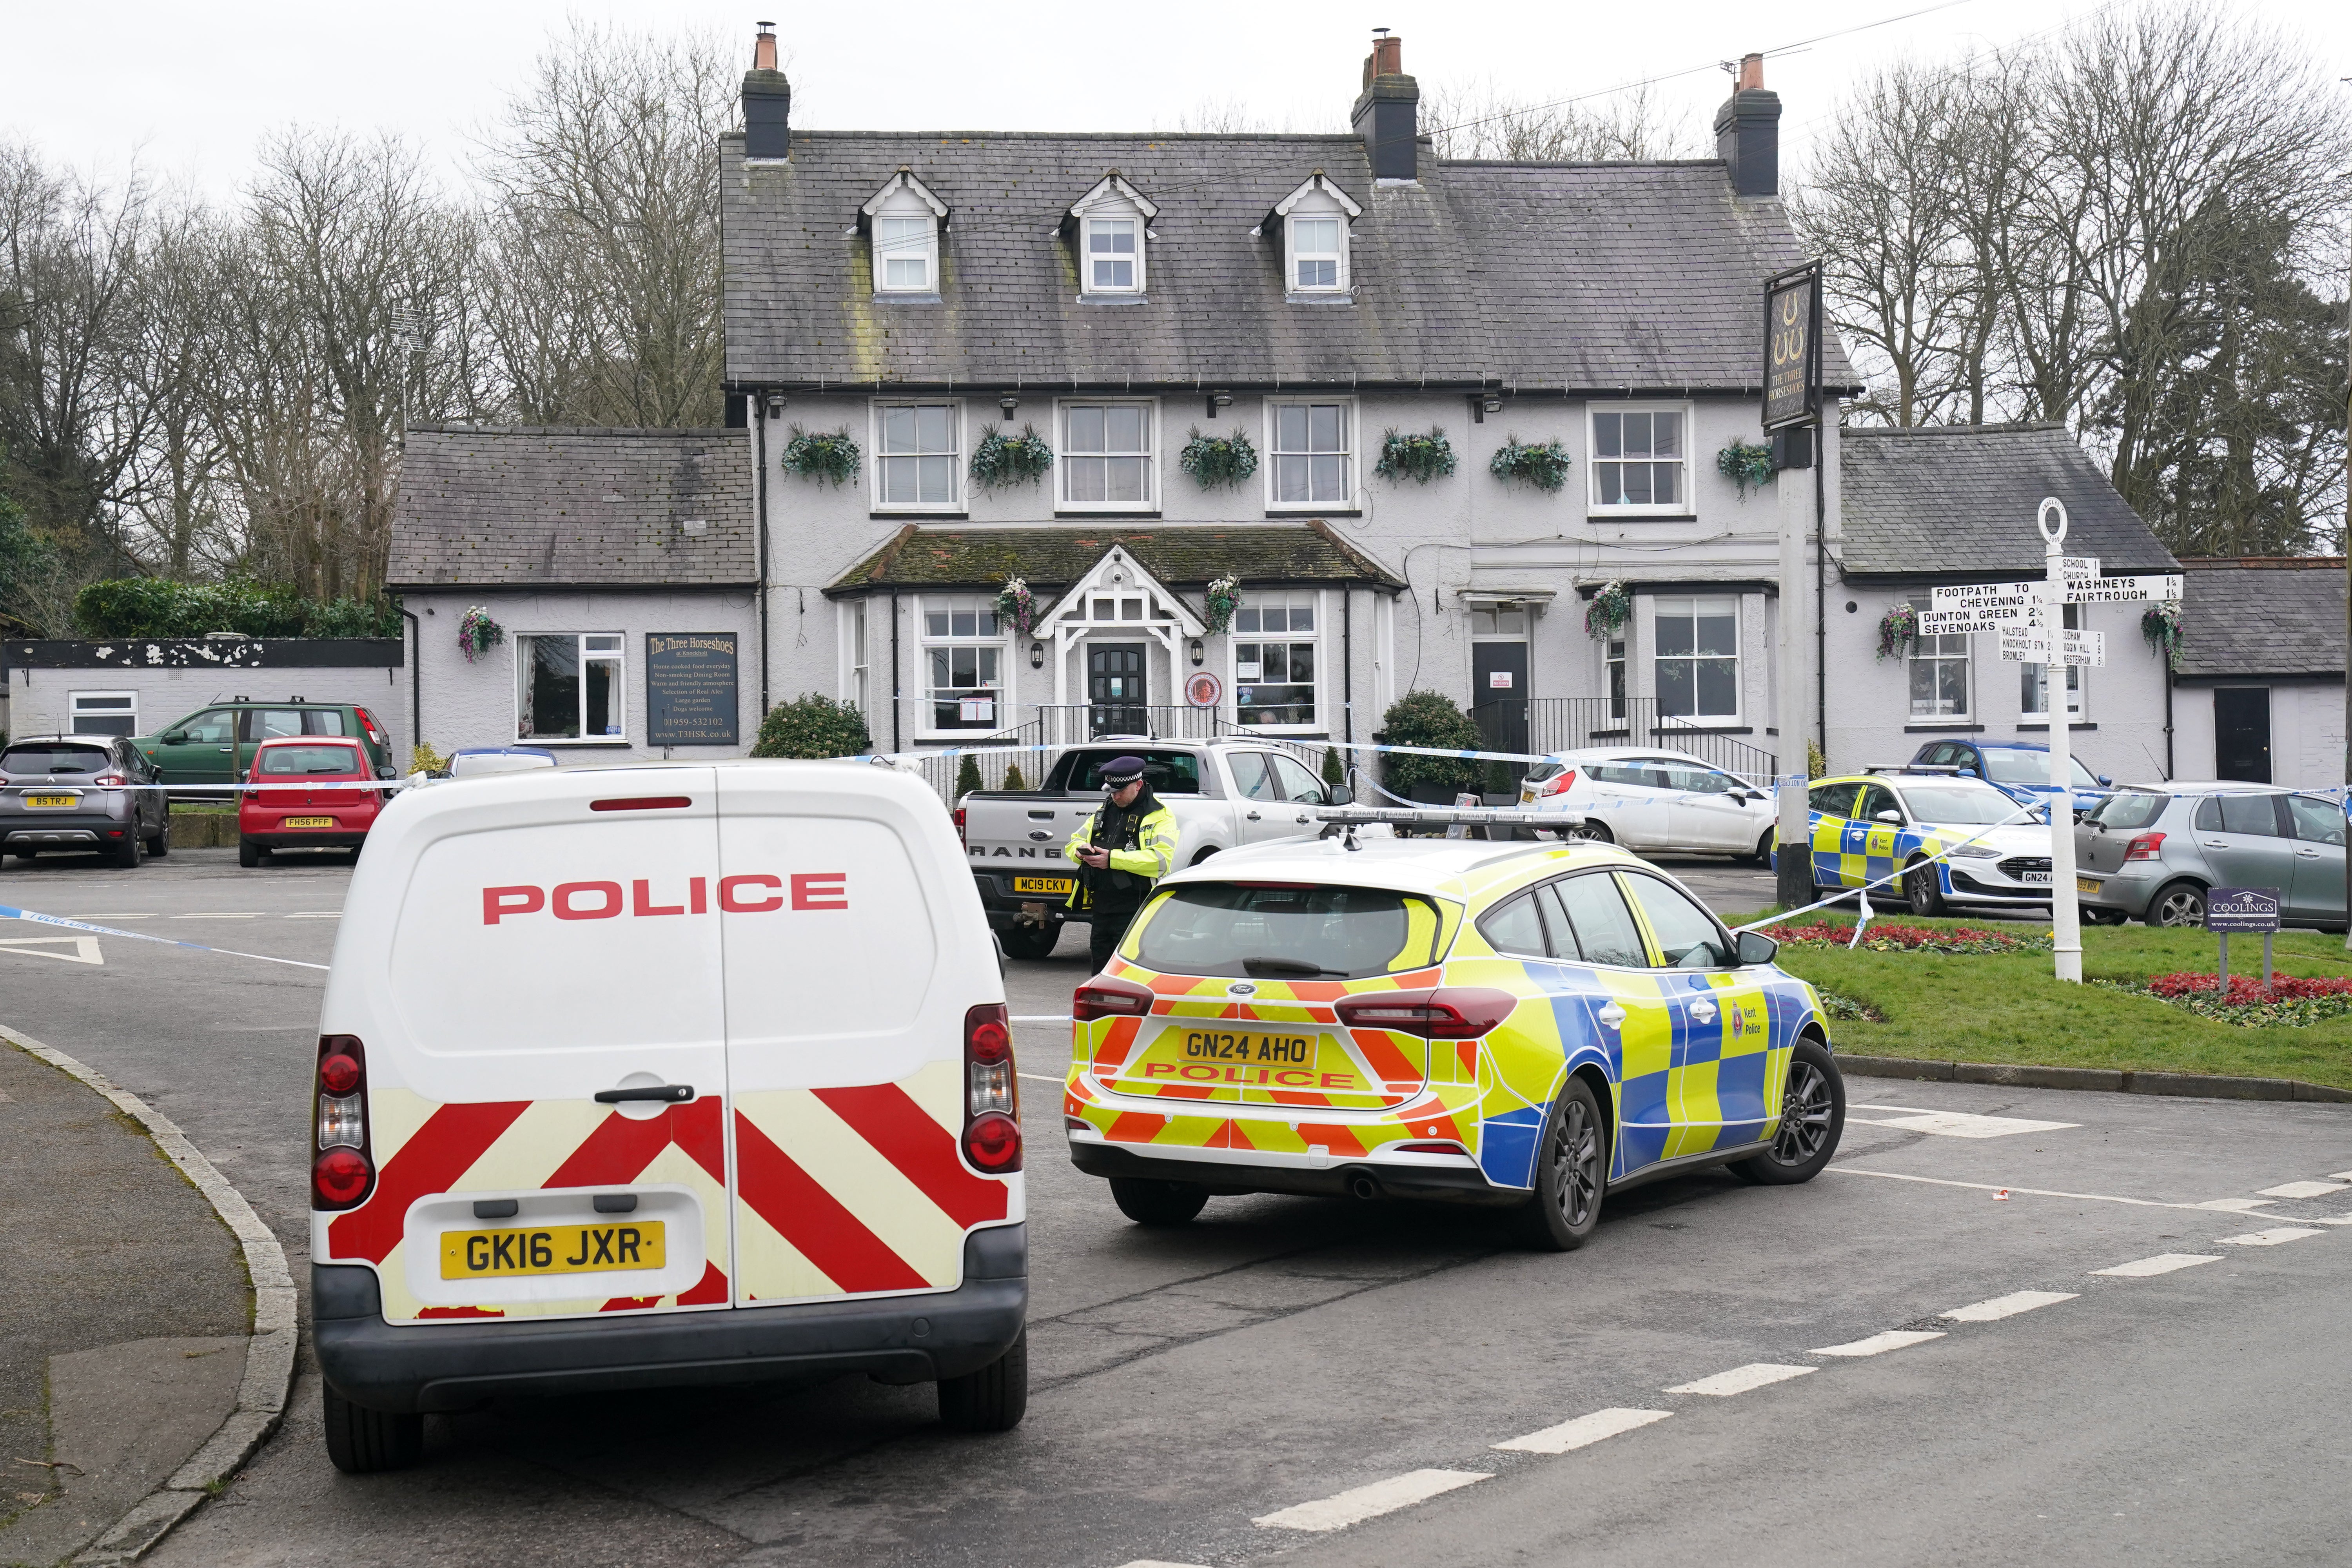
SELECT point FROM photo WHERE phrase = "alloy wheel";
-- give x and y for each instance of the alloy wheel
(1576, 1163)
(2182, 907)
(1805, 1112)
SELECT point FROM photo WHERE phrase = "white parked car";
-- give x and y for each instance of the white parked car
(1647, 798)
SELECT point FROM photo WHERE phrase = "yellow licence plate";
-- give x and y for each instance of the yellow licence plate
(52, 800)
(1041, 884)
(309, 822)
(551, 1250)
(2087, 884)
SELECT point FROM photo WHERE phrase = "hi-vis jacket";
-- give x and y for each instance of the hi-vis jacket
(1150, 857)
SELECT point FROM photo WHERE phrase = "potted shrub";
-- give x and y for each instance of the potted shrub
(1429, 719)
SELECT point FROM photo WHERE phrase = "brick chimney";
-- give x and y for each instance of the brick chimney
(1388, 114)
(1747, 133)
(767, 102)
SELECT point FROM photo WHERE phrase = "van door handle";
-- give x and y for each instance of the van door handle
(1613, 1016)
(669, 1093)
(1252, 816)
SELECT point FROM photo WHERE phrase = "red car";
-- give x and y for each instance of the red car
(310, 812)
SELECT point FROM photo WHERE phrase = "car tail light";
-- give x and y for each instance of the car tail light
(1558, 783)
(116, 780)
(2146, 846)
(960, 837)
(1102, 998)
(374, 730)
(1450, 1012)
(342, 1173)
(992, 1130)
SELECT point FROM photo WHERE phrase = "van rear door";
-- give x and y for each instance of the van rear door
(856, 951)
(553, 939)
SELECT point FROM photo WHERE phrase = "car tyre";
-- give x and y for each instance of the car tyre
(1764, 847)
(1029, 942)
(1148, 1201)
(1813, 1119)
(1571, 1174)
(993, 1399)
(1922, 890)
(131, 851)
(1589, 832)
(249, 854)
(362, 1442)
(2177, 904)
(161, 845)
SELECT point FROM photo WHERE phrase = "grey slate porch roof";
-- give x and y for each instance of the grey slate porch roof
(2263, 616)
(1960, 500)
(1053, 558)
(509, 506)
(1611, 278)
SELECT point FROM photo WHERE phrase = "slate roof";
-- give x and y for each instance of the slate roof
(1608, 277)
(1053, 558)
(2263, 616)
(1959, 500)
(510, 506)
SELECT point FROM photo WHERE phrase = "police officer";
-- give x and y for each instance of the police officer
(1126, 845)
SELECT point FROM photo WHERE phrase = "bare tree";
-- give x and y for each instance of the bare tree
(1482, 122)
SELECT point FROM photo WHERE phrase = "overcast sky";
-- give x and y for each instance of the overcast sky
(189, 90)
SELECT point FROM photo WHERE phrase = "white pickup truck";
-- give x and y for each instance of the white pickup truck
(1226, 793)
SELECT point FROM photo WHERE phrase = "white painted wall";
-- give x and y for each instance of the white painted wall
(474, 704)
(2306, 731)
(40, 701)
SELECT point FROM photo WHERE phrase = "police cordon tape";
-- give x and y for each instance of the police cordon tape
(6, 913)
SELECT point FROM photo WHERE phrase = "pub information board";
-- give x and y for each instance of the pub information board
(690, 689)
(1792, 349)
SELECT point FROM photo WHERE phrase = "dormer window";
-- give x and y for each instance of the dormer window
(1314, 223)
(1114, 226)
(905, 219)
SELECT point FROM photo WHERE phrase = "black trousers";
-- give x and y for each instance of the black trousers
(1109, 926)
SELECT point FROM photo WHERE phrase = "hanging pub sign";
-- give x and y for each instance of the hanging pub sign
(1792, 346)
(690, 689)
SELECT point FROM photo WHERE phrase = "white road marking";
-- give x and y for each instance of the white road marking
(216, 916)
(1954, 1123)
(315, 915)
(1154, 1562)
(1879, 1344)
(1582, 1432)
(2330, 1219)
(1740, 1379)
(2341, 1176)
(2007, 1306)
(85, 947)
(2304, 1189)
(123, 915)
(2162, 1263)
(1040, 1078)
(2233, 1205)
(2276, 1237)
(2035, 1192)
(1359, 1503)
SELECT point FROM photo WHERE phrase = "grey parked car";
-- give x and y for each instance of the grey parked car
(2150, 851)
(65, 792)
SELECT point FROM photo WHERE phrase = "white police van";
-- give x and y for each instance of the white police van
(659, 1074)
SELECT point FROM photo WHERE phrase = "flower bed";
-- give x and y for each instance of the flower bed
(2292, 999)
(1887, 936)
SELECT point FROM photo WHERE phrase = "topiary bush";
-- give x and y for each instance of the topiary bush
(968, 777)
(1429, 719)
(811, 726)
(1335, 772)
(1012, 777)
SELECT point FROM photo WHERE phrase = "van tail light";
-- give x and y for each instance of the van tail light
(1449, 1013)
(1103, 998)
(991, 1127)
(961, 838)
(2146, 846)
(342, 1172)
(1557, 783)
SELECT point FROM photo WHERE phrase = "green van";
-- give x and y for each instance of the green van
(215, 744)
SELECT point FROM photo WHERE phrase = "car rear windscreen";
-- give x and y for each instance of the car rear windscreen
(2020, 767)
(303, 760)
(33, 758)
(2130, 809)
(1273, 932)
(1167, 773)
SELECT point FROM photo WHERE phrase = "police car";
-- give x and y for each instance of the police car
(663, 1074)
(1870, 826)
(1529, 1026)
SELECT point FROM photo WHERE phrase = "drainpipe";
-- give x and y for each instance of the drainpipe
(1820, 600)
(2169, 681)
(1347, 660)
(415, 685)
(760, 500)
(893, 669)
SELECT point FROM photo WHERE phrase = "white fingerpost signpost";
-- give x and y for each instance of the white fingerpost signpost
(2030, 620)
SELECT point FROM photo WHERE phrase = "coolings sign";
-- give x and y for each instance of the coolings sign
(690, 689)
(1792, 346)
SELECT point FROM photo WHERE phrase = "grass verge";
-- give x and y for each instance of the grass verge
(2008, 1007)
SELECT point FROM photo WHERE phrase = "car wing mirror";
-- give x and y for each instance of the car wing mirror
(2107, 783)
(1753, 947)
(1895, 817)
(175, 737)
(1339, 795)
(1968, 773)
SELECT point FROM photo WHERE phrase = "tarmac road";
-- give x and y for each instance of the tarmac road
(1284, 1352)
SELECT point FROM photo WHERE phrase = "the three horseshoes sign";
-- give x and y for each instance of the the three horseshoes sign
(1792, 346)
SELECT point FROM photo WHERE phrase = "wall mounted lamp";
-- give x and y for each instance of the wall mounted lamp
(1219, 400)
(1198, 653)
(1008, 403)
(1037, 656)
(1494, 405)
(775, 403)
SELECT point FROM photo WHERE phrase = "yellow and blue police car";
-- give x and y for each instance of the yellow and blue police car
(1868, 826)
(1527, 1025)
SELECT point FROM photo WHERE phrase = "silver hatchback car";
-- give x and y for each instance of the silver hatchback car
(2150, 851)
